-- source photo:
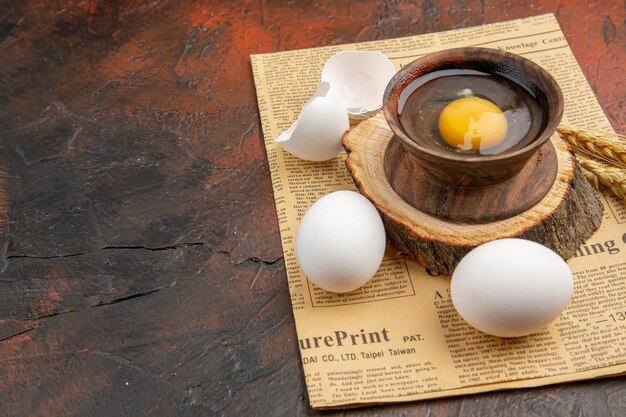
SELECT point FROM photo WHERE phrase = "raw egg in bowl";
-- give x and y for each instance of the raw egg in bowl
(472, 116)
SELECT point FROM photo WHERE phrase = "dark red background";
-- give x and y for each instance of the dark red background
(141, 271)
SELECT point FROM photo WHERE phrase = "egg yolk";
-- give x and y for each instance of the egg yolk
(472, 123)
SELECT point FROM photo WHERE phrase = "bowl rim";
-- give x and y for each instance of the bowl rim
(434, 61)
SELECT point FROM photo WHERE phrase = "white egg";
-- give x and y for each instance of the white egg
(360, 79)
(511, 287)
(316, 134)
(340, 241)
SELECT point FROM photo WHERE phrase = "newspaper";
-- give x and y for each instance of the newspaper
(399, 338)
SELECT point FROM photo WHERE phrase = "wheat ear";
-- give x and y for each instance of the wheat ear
(610, 147)
(611, 176)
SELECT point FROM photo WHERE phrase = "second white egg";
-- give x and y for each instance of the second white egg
(511, 287)
(340, 241)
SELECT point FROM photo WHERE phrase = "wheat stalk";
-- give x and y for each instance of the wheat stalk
(602, 155)
(602, 173)
(610, 147)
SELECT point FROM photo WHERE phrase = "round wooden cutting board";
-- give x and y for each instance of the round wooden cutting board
(550, 202)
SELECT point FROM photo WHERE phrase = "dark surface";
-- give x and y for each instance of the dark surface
(141, 269)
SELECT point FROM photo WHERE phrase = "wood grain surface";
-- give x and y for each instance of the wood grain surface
(436, 235)
(141, 271)
(503, 200)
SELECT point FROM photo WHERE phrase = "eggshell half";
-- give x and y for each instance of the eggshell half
(316, 134)
(360, 79)
(340, 241)
(511, 287)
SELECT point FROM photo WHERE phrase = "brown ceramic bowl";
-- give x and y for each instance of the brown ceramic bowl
(475, 170)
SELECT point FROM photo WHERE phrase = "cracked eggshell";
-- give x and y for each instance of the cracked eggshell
(316, 134)
(360, 79)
